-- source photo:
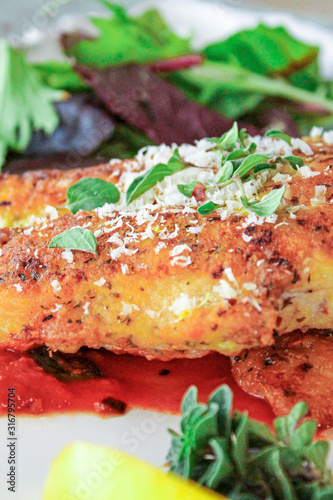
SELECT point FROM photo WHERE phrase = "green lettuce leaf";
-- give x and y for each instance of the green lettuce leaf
(124, 39)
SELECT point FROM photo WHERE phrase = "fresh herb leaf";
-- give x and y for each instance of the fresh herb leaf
(156, 174)
(228, 140)
(242, 153)
(286, 426)
(65, 367)
(26, 104)
(248, 164)
(294, 161)
(89, 193)
(242, 459)
(187, 189)
(76, 238)
(225, 173)
(278, 134)
(267, 206)
(207, 208)
(261, 167)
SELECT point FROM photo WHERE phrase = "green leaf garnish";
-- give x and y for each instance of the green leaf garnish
(294, 161)
(207, 208)
(261, 167)
(228, 140)
(242, 153)
(243, 459)
(278, 134)
(89, 193)
(249, 163)
(26, 104)
(76, 238)
(267, 206)
(156, 174)
(225, 172)
(187, 189)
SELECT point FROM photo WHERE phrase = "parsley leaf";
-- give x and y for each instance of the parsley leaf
(25, 102)
(242, 458)
(76, 238)
(144, 182)
(89, 193)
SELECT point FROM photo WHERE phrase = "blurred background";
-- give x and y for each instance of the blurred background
(17, 15)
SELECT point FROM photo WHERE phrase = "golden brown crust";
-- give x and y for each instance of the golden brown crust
(298, 367)
(283, 273)
(24, 195)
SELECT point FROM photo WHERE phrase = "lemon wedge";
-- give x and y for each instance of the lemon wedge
(88, 472)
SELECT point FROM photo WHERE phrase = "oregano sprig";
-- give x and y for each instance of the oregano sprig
(144, 182)
(76, 238)
(242, 458)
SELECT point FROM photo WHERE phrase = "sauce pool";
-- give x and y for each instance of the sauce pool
(127, 382)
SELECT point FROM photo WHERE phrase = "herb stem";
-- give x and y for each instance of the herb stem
(228, 77)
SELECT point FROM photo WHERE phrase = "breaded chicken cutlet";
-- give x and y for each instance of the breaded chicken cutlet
(166, 281)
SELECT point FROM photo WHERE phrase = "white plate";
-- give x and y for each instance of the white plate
(140, 432)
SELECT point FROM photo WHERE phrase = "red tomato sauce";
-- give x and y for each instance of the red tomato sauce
(130, 382)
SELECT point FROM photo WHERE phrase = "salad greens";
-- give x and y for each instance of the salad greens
(125, 39)
(243, 459)
(262, 76)
(25, 102)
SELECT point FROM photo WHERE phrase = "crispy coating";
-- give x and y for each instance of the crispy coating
(23, 196)
(298, 367)
(280, 274)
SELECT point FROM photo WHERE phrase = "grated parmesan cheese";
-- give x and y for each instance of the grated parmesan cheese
(225, 290)
(230, 275)
(181, 260)
(328, 137)
(86, 308)
(320, 195)
(52, 212)
(183, 304)
(56, 285)
(306, 172)
(57, 308)
(178, 249)
(128, 308)
(67, 255)
(100, 282)
(124, 268)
